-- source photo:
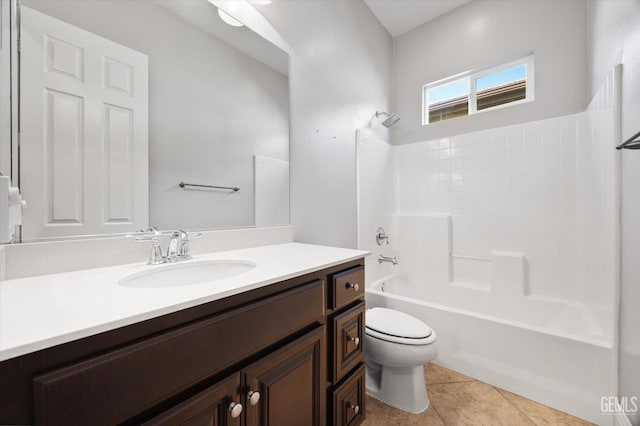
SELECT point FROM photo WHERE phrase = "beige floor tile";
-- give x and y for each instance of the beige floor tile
(436, 374)
(474, 403)
(380, 414)
(540, 414)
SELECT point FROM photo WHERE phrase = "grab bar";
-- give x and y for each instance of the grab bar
(632, 143)
(231, 188)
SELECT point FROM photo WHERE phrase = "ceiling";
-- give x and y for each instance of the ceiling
(400, 16)
(204, 15)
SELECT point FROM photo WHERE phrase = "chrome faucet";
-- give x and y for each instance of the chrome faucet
(184, 250)
(172, 248)
(177, 250)
(392, 260)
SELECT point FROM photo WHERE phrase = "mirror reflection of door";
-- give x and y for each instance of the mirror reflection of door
(84, 131)
(217, 115)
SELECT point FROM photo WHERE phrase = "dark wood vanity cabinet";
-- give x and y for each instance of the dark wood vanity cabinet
(282, 354)
(346, 322)
(282, 388)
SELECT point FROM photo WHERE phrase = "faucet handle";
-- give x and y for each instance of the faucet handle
(381, 236)
(184, 250)
(152, 235)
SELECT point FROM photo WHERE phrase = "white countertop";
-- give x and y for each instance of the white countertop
(47, 310)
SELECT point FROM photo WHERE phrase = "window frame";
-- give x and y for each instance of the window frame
(473, 77)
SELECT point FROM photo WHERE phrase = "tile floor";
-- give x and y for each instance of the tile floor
(457, 399)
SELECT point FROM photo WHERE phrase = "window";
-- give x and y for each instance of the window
(476, 91)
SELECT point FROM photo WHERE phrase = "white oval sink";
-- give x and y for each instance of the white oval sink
(180, 274)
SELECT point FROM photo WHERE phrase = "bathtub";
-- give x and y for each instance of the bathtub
(559, 358)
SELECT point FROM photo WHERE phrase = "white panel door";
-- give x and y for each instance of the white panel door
(83, 131)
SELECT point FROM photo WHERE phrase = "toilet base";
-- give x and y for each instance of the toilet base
(400, 387)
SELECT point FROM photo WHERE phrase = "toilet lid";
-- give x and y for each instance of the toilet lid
(397, 324)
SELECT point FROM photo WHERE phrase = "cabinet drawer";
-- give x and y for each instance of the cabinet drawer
(120, 384)
(346, 286)
(349, 400)
(348, 336)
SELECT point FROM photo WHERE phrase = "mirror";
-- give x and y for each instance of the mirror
(122, 101)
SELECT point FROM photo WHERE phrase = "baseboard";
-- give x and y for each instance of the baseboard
(621, 419)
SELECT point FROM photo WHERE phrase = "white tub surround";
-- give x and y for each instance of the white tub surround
(496, 284)
(47, 310)
(507, 240)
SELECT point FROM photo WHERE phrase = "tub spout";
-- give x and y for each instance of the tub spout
(393, 260)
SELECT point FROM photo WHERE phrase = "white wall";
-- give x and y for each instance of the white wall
(614, 33)
(5, 90)
(208, 113)
(340, 75)
(485, 33)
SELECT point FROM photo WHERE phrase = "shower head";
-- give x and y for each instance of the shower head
(390, 120)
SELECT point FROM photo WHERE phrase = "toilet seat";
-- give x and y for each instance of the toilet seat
(397, 327)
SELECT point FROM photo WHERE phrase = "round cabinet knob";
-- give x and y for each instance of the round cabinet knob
(235, 410)
(355, 408)
(253, 397)
(355, 340)
(355, 286)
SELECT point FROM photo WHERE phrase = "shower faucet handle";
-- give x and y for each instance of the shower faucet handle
(381, 236)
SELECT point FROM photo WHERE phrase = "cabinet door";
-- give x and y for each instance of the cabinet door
(218, 405)
(289, 383)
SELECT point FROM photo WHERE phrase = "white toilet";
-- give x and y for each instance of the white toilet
(397, 346)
